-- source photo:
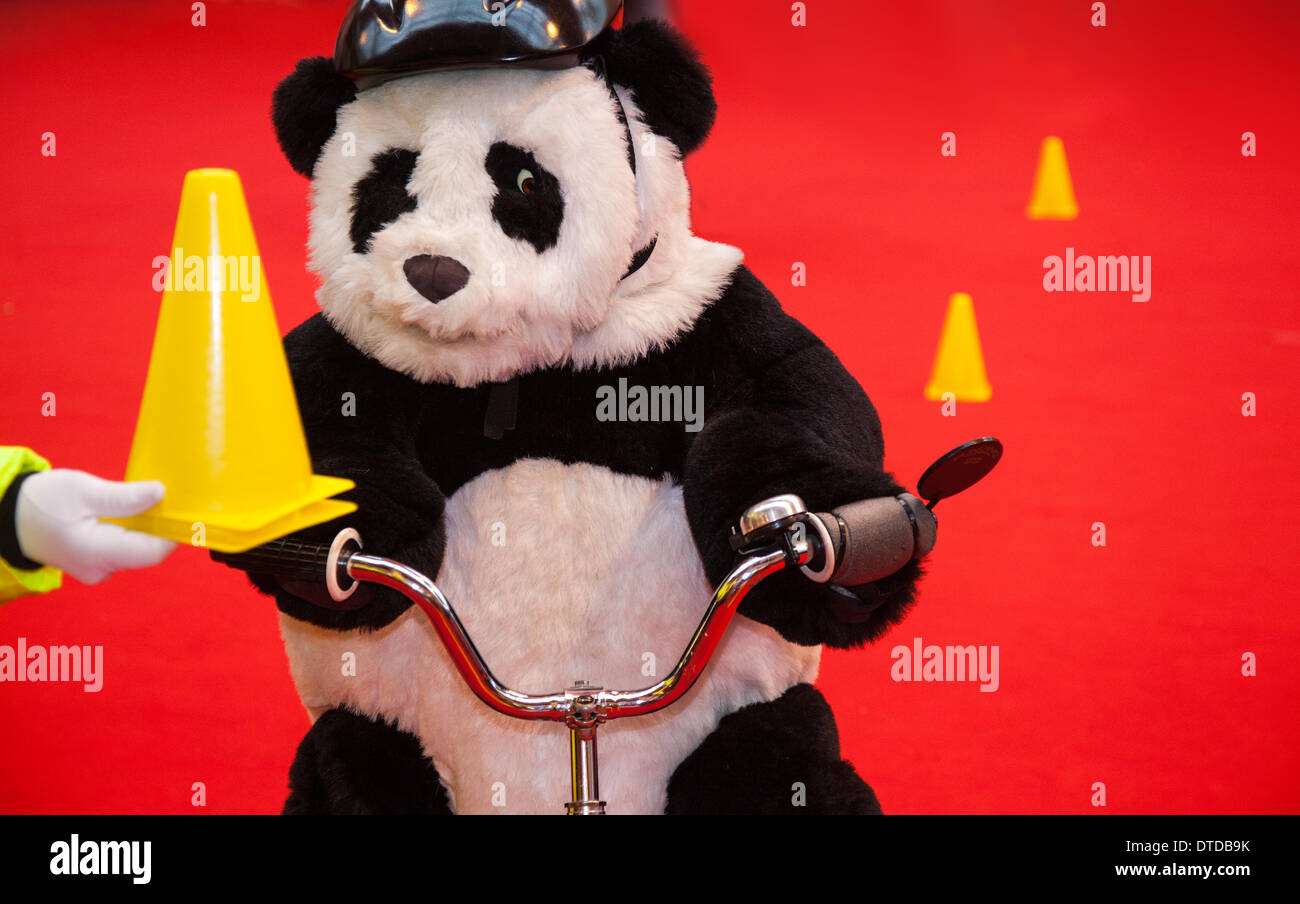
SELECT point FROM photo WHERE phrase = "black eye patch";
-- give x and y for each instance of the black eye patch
(381, 196)
(528, 204)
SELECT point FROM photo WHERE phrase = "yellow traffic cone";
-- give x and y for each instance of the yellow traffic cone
(219, 424)
(1053, 197)
(959, 364)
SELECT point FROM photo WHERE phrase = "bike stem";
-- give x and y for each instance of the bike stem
(583, 770)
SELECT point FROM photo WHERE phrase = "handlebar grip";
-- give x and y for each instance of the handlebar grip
(318, 574)
(289, 559)
(874, 538)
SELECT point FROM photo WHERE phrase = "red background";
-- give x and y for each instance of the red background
(1118, 664)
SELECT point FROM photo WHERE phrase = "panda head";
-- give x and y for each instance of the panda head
(471, 225)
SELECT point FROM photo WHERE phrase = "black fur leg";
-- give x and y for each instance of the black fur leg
(778, 758)
(351, 764)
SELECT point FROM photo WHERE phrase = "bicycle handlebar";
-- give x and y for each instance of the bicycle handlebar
(579, 702)
(855, 544)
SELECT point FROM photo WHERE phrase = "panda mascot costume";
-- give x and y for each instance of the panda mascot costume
(500, 225)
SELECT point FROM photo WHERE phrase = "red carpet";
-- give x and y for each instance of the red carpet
(1119, 665)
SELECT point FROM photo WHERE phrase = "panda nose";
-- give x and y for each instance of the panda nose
(435, 277)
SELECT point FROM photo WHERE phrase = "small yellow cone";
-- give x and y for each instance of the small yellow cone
(1053, 197)
(219, 424)
(959, 364)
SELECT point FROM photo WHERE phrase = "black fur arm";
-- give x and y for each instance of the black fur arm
(786, 417)
(361, 420)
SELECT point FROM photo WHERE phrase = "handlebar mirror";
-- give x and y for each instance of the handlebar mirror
(959, 469)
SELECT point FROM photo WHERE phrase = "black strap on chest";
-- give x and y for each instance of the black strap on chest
(502, 409)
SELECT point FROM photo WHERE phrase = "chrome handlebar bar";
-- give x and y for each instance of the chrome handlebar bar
(580, 703)
(583, 707)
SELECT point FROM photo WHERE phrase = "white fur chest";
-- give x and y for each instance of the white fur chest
(559, 572)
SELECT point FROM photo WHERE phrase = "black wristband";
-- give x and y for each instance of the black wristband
(10, 550)
(916, 530)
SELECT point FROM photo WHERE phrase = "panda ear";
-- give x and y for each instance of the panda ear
(669, 83)
(304, 107)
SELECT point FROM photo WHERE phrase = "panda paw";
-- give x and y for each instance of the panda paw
(873, 608)
(822, 614)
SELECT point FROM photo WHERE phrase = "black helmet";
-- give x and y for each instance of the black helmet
(385, 39)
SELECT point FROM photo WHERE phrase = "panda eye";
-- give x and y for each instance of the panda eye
(528, 203)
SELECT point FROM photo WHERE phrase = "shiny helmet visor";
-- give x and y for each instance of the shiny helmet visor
(386, 39)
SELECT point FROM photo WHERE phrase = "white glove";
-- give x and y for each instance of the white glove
(57, 521)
